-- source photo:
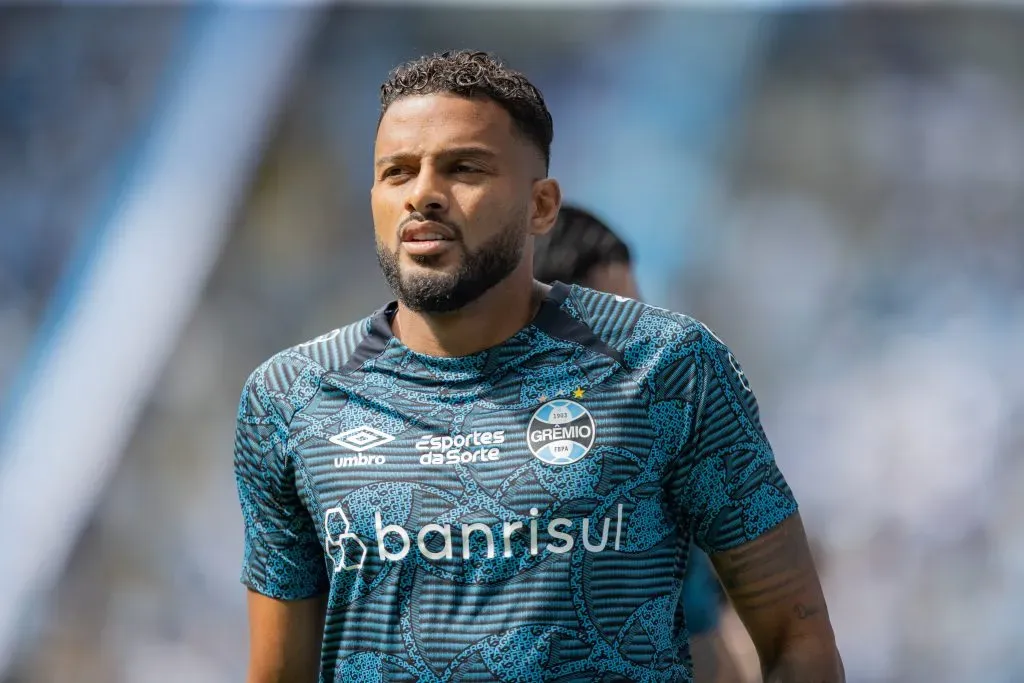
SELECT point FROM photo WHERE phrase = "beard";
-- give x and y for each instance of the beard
(444, 292)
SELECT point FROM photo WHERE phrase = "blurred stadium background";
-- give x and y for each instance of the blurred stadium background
(838, 191)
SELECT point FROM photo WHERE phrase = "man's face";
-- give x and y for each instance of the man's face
(613, 278)
(454, 199)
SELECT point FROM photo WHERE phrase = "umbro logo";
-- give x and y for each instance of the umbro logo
(361, 439)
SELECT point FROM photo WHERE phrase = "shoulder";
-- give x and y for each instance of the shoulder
(647, 336)
(288, 380)
(333, 350)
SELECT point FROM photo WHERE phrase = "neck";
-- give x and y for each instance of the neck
(492, 318)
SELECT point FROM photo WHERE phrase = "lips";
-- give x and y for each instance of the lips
(427, 238)
(427, 231)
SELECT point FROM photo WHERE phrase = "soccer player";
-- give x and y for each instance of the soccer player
(581, 249)
(493, 479)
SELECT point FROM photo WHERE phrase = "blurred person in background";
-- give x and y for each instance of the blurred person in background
(581, 249)
(416, 487)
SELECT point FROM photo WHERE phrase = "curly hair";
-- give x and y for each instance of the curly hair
(578, 243)
(469, 73)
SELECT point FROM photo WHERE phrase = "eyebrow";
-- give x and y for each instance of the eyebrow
(467, 151)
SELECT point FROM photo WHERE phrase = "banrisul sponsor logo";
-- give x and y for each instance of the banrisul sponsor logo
(478, 541)
(454, 449)
(561, 432)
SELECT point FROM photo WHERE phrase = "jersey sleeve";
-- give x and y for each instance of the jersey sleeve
(731, 488)
(283, 558)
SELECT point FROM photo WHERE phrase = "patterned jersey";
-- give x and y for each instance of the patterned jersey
(522, 514)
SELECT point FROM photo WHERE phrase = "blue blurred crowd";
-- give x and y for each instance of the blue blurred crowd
(76, 87)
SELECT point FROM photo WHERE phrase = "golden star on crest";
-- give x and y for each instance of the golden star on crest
(543, 398)
(578, 393)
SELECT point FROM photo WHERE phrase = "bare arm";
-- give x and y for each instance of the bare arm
(775, 589)
(283, 565)
(285, 637)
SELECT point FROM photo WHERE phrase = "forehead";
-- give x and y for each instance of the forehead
(423, 125)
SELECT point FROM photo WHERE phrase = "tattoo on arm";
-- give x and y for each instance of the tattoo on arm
(774, 587)
(772, 570)
(804, 612)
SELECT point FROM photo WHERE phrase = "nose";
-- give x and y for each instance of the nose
(428, 193)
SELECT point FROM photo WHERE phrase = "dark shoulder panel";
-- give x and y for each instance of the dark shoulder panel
(289, 379)
(339, 348)
(644, 336)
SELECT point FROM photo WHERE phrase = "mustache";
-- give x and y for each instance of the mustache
(432, 217)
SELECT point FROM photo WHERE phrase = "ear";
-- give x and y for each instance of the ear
(547, 200)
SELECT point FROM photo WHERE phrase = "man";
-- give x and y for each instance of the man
(582, 249)
(492, 479)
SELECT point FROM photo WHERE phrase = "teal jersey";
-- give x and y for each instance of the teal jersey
(522, 514)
